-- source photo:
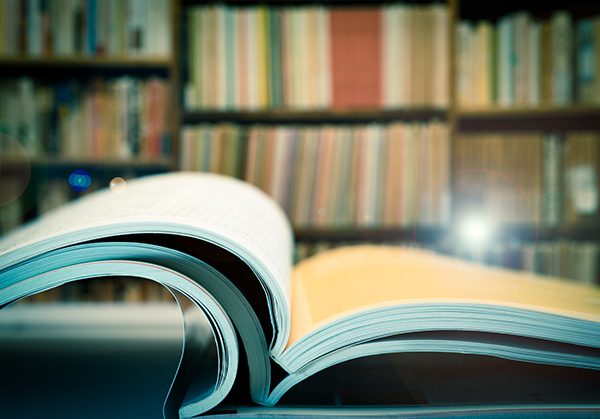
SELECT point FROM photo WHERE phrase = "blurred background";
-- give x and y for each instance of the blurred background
(468, 128)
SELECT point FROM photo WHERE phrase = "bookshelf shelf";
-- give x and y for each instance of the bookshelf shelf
(78, 62)
(531, 233)
(591, 232)
(528, 112)
(341, 234)
(102, 163)
(521, 233)
(576, 117)
(316, 117)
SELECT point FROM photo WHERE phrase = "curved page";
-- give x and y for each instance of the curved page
(351, 295)
(238, 309)
(218, 209)
(204, 397)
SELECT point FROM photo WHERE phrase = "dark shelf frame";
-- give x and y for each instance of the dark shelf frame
(357, 234)
(357, 116)
(519, 233)
(572, 118)
(78, 62)
(62, 164)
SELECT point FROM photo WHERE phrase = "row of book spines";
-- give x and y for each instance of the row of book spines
(332, 175)
(86, 27)
(261, 57)
(525, 178)
(526, 62)
(499, 176)
(510, 178)
(572, 261)
(116, 118)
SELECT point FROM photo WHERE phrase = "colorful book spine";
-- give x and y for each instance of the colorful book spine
(551, 62)
(313, 57)
(85, 27)
(117, 118)
(372, 170)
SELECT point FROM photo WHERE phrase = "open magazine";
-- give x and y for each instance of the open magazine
(226, 247)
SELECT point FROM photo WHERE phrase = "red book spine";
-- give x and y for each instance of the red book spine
(356, 57)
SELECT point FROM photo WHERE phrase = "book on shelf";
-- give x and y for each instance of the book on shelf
(224, 247)
(524, 61)
(553, 187)
(499, 176)
(118, 117)
(316, 57)
(90, 28)
(576, 261)
(528, 177)
(11, 208)
(394, 174)
(582, 177)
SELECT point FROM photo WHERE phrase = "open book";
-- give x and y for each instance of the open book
(226, 247)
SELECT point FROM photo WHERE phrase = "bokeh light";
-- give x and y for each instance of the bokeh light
(118, 184)
(476, 230)
(80, 180)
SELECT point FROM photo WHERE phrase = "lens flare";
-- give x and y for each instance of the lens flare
(118, 184)
(80, 180)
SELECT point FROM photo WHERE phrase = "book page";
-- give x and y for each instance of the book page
(226, 211)
(347, 280)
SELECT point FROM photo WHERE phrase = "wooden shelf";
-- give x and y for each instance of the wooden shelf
(356, 234)
(532, 233)
(288, 3)
(491, 11)
(542, 118)
(315, 117)
(82, 62)
(526, 234)
(68, 163)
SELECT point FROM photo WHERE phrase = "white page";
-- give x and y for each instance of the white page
(231, 213)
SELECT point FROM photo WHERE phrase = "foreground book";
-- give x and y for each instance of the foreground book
(224, 246)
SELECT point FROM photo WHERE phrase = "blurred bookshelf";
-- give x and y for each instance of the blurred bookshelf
(85, 86)
(88, 89)
(545, 127)
(402, 158)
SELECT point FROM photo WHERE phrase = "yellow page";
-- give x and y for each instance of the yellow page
(347, 280)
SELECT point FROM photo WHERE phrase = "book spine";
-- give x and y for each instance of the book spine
(505, 62)
(34, 27)
(275, 68)
(562, 49)
(463, 75)
(230, 59)
(552, 194)
(534, 92)
(91, 10)
(522, 56)
(4, 23)
(586, 61)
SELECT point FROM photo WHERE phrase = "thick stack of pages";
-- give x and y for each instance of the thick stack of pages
(227, 247)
